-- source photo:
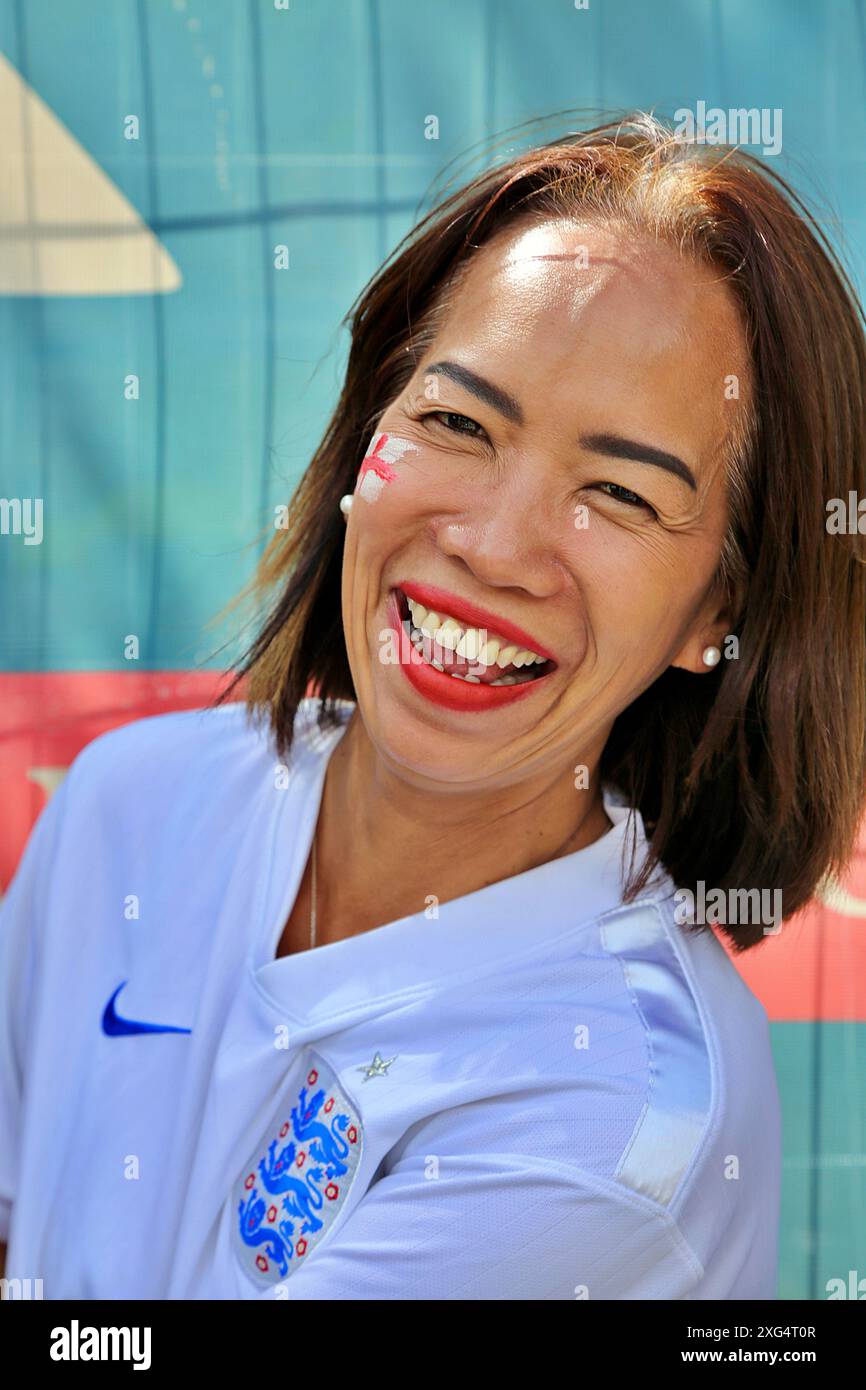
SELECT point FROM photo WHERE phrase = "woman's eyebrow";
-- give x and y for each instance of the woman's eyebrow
(615, 446)
(482, 388)
(611, 445)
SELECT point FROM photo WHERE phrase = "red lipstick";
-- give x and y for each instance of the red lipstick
(441, 688)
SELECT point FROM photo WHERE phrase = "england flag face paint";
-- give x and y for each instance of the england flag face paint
(377, 466)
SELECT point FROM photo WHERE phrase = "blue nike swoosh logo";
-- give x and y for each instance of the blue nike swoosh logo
(117, 1027)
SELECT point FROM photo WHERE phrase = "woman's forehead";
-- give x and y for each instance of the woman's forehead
(628, 329)
(642, 296)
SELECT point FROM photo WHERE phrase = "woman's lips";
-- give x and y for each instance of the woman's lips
(443, 689)
(441, 601)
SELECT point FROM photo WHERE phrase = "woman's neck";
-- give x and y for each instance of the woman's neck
(386, 847)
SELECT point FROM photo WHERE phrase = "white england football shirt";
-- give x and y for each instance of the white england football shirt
(539, 1093)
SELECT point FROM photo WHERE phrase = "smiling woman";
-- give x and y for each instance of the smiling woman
(555, 634)
(657, 332)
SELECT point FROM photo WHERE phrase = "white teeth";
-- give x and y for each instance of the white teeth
(430, 623)
(449, 634)
(513, 678)
(472, 643)
(469, 644)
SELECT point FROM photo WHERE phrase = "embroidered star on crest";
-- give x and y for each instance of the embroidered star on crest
(377, 1067)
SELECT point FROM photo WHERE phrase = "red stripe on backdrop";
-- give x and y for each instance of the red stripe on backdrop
(45, 719)
(814, 969)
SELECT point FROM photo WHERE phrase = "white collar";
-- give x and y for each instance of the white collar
(507, 918)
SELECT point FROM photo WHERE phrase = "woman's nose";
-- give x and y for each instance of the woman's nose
(506, 536)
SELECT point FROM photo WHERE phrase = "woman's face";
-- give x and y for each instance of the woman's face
(554, 466)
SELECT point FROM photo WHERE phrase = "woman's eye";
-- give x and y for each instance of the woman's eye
(624, 494)
(445, 417)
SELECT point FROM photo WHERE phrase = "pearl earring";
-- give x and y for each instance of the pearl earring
(346, 503)
(712, 656)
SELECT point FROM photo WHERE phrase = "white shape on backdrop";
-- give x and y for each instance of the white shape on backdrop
(65, 226)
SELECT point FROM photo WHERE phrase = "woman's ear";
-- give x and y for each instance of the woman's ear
(700, 656)
(705, 647)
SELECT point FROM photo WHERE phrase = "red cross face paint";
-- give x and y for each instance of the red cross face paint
(378, 465)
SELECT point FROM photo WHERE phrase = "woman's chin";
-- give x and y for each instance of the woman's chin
(432, 740)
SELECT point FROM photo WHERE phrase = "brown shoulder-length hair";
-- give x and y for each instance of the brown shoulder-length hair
(749, 777)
